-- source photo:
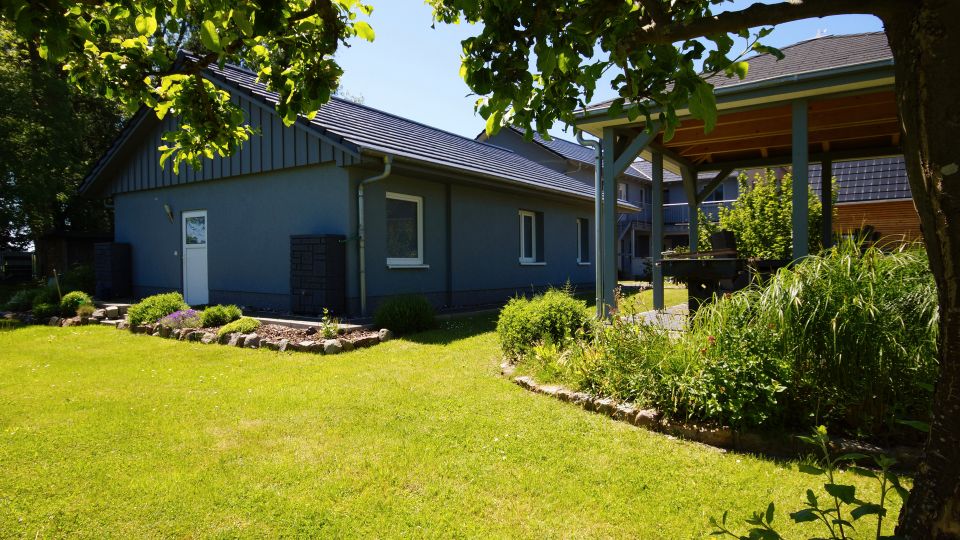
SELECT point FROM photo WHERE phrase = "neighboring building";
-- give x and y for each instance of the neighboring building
(276, 225)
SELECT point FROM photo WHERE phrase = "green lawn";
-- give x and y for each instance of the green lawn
(109, 434)
(672, 295)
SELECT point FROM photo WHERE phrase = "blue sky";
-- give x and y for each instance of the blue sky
(413, 70)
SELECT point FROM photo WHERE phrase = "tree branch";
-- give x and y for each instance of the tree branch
(758, 15)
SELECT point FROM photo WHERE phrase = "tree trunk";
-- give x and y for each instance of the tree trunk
(926, 49)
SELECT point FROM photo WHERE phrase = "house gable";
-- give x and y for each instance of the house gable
(133, 164)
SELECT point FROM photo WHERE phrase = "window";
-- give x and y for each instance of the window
(531, 237)
(666, 196)
(717, 194)
(622, 191)
(583, 241)
(404, 229)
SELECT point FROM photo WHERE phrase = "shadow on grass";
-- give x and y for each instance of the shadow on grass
(455, 329)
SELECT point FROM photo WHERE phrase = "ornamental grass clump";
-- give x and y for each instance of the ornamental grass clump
(72, 301)
(153, 308)
(185, 318)
(243, 325)
(219, 315)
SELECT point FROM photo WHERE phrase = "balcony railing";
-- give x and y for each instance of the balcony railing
(676, 213)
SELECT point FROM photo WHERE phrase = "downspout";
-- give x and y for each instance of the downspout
(361, 232)
(597, 219)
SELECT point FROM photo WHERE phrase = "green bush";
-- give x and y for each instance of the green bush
(219, 315)
(21, 301)
(73, 300)
(46, 295)
(43, 311)
(243, 325)
(405, 314)
(552, 316)
(153, 308)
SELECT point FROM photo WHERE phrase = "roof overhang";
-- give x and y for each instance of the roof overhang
(852, 111)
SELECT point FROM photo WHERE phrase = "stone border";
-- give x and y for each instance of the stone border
(254, 341)
(725, 438)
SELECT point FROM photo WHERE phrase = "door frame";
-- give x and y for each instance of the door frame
(183, 247)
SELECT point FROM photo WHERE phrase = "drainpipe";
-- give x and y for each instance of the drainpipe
(361, 232)
(597, 219)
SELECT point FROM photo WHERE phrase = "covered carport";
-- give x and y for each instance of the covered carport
(830, 99)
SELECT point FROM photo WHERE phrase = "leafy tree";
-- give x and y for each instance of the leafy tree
(50, 135)
(128, 50)
(761, 217)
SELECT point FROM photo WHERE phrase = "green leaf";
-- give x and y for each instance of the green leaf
(703, 105)
(493, 122)
(847, 494)
(209, 37)
(244, 22)
(916, 424)
(868, 509)
(546, 60)
(851, 456)
(566, 61)
(741, 69)
(146, 25)
(364, 30)
(807, 468)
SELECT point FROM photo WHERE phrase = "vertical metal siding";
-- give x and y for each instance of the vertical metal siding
(273, 147)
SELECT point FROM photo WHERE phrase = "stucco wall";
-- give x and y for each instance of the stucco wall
(250, 220)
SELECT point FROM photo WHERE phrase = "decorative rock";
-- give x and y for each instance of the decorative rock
(158, 330)
(565, 394)
(123, 325)
(175, 333)
(252, 341)
(282, 345)
(384, 335)
(309, 346)
(223, 339)
(53, 321)
(269, 345)
(624, 413)
(123, 310)
(99, 314)
(236, 340)
(525, 382)
(645, 418)
(164, 331)
(366, 341)
(208, 338)
(347, 345)
(111, 312)
(604, 406)
(70, 322)
(146, 329)
(332, 346)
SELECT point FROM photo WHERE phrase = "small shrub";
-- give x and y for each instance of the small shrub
(43, 311)
(185, 318)
(552, 316)
(21, 301)
(46, 295)
(85, 311)
(219, 316)
(243, 325)
(73, 300)
(329, 326)
(405, 314)
(153, 308)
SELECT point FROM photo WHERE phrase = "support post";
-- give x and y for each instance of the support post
(826, 201)
(690, 187)
(800, 170)
(656, 234)
(608, 227)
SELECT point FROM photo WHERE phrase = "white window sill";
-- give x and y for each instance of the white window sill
(532, 263)
(583, 263)
(408, 266)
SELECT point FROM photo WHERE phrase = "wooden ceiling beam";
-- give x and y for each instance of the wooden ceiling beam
(819, 138)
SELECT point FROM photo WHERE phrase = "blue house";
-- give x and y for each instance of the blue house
(342, 211)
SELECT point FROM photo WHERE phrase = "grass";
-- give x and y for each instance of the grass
(110, 434)
(672, 295)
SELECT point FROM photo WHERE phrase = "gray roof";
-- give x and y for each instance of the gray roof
(817, 54)
(577, 152)
(877, 179)
(369, 129)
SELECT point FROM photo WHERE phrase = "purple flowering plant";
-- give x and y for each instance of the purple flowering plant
(185, 318)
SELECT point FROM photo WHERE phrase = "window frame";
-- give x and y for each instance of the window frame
(406, 261)
(580, 247)
(532, 260)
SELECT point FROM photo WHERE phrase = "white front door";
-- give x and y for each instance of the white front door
(195, 288)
